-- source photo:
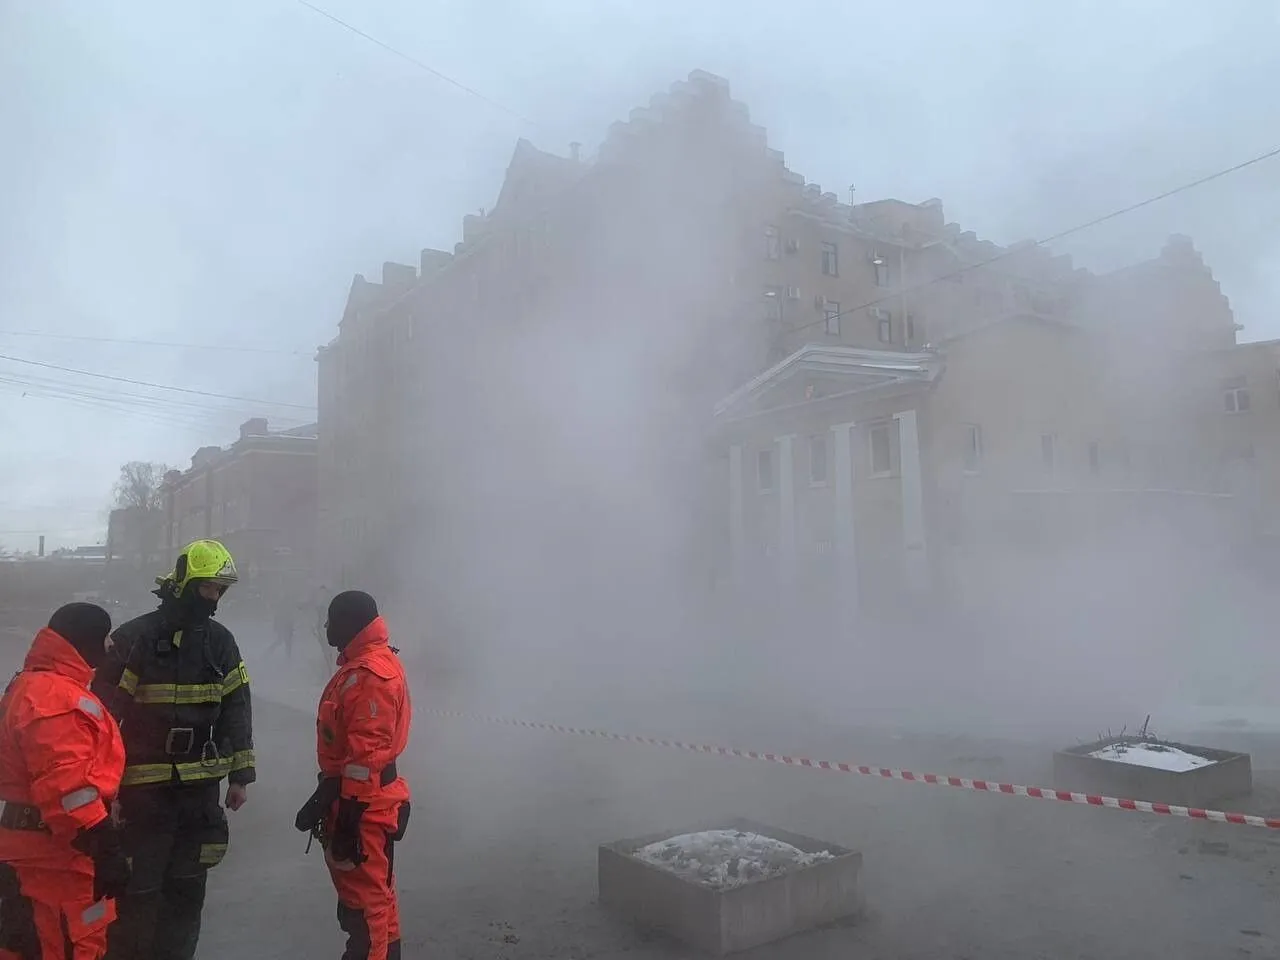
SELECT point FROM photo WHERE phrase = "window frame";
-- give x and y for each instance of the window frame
(772, 242)
(818, 441)
(880, 268)
(1231, 397)
(765, 484)
(830, 312)
(830, 258)
(884, 325)
(872, 430)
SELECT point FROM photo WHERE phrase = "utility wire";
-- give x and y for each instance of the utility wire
(158, 411)
(156, 386)
(417, 63)
(967, 268)
(140, 342)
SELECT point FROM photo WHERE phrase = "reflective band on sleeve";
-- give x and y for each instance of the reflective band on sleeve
(353, 771)
(236, 679)
(90, 706)
(352, 679)
(242, 760)
(79, 798)
(129, 682)
(93, 913)
(211, 854)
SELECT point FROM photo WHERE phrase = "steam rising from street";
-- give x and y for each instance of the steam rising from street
(548, 426)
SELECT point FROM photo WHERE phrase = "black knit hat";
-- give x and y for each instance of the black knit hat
(349, 613)
(85, 626)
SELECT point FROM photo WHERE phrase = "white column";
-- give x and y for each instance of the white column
(736, 545)
(846, 538)
(786, 508)
(913, 532)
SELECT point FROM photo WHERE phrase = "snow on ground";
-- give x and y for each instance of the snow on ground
(1158, 756)
(727, 858)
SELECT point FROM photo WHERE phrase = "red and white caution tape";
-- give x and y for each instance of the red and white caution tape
(888, 773)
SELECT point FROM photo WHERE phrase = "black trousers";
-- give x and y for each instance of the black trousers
(174, 834)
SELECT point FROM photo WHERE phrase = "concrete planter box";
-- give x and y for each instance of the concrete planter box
(723, 921)
(1229, 775)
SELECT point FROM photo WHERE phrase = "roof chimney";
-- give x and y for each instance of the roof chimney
(255, 427)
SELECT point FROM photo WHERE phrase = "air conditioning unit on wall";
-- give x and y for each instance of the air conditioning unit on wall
(791, 293)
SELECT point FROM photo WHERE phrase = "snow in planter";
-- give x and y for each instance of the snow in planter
(1149, 753)
(727, 858)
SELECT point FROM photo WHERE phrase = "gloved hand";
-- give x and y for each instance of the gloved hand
(345, 844)
(317, 806)
(111, 871)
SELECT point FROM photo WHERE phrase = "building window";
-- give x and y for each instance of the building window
(1095, 457)
(818, 460)
(1048, 450)
(881, 268)
(764, 471)
(830, 259)
(831, 317)
(972, 448)
(881, 451)
(884, 325)
(772, 243)
(1235, 396)
(773, 304)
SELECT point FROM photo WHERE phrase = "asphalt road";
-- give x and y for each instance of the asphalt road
(499, 863)
(500, 859)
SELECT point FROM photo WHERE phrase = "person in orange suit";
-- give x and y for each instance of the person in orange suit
(61, 762)
(360, 809)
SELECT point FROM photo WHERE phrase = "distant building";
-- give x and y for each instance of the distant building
(258, 497)
(136, 538)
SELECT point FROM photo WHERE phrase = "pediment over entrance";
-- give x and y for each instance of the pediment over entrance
(816, 372)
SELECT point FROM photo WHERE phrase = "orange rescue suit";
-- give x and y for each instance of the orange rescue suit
(61, 762)
(362, 727)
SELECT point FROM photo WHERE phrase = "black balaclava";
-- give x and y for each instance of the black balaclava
(85, 626)
(349, 613)
(188, 608)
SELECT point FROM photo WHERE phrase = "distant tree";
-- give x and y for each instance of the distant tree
(139, 485)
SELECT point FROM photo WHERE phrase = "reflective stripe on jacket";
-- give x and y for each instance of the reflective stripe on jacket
(182, 699)
(60, 749)
(363, 720)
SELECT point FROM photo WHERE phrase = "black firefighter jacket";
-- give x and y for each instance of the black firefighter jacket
(181, 697)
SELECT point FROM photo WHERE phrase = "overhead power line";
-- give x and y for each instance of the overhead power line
(142, 342)
(887, 298)
(417, 63)
(155, 386)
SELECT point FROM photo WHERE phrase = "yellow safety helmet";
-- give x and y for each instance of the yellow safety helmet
(201, 560)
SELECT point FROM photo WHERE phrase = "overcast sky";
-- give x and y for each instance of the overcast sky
(214, 173)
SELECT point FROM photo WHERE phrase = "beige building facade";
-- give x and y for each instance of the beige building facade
(857, 402)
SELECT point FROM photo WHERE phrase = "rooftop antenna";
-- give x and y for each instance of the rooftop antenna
(852, 191)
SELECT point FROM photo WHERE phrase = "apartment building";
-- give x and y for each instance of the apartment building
(258, 497)
(1068, 418)
(882, 387)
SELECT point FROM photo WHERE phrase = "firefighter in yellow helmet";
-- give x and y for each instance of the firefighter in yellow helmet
(175, 681)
